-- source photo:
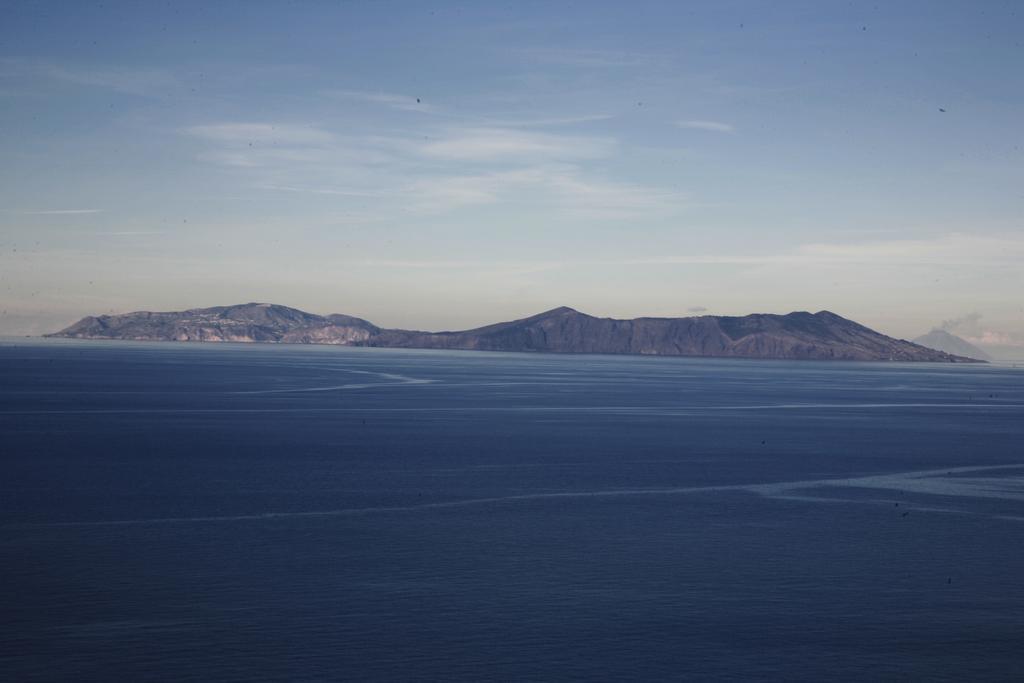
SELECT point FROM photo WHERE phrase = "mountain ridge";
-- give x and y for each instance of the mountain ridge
(799, 335)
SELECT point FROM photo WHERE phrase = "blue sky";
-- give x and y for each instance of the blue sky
(443, 165)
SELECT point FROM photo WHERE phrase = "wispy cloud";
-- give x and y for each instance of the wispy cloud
(335, 191)
(597, 198)
(503, 144)
(276, 150)
(392, 100)
(279, 151)
(267, 157)
(983, 250)
(441, 264)
(563, 188)
(953, 249)
(447, 193)
(126, 79)
(965, 323)
(59, 212)
(456, 167)
(713, 126)
(418, 104)
(261, 133)
(970, 327)
(996, 338)
(549, 122)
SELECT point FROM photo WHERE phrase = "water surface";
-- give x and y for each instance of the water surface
(268, 512)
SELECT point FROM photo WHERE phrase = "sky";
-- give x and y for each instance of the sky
(440, 165)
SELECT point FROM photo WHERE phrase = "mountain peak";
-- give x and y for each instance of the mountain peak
(552, 313)
(942, 340)
(561, 310)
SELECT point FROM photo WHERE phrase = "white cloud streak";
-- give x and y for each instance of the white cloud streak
(130, 80)
(548, 122)
(712, 126)
(951, 249)
(60, 212)
(335, 191)
(529, 169)
(261, 133)
(129, 233)
(560, 187)
(392, 100)
(955, 249)
(503, 144)
(997, 338)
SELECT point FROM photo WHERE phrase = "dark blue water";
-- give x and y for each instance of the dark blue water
(257, 512)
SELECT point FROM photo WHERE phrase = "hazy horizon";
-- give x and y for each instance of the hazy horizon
(449, 165)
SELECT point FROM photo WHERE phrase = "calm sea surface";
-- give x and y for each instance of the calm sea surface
(263, 512)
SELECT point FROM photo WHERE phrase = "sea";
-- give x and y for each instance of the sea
(263, 512)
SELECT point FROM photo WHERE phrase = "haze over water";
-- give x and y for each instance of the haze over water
(263, 512)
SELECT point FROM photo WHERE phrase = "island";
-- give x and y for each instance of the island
(795, 336)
